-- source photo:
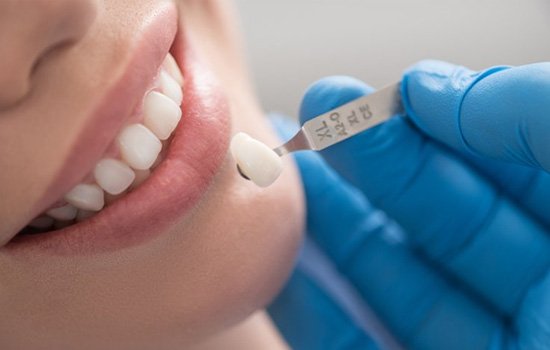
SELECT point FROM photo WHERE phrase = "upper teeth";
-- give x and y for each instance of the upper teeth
(170, 87)
(66, 212)
(86, 196)
(160, 114)
(172, 68)
(139, 146)
(113, 175)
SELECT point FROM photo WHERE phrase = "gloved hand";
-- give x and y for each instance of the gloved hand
(465, 175)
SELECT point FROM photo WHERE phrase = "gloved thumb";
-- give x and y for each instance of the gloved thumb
(501, 113)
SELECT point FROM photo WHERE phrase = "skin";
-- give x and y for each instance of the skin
(216, 266)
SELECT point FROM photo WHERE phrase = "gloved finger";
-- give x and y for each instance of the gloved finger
(533, 322)
(500, 113)
(415, 302)
(527, 186)
(451, 213)
(309, 319)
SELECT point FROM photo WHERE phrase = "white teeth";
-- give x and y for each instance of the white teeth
(139, 147)
(86, 196)
(161, 115)
(171, 67)
(64, 213)
(141, 176)
(113, 175)
(42, 222)
(171, 88)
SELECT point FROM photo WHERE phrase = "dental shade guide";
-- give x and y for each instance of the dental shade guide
(262, 165)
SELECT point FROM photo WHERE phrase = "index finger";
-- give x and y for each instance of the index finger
(502, 112)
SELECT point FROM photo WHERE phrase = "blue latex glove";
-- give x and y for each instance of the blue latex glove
(465, 174)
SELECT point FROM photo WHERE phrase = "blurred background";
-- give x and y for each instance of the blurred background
(292, 43)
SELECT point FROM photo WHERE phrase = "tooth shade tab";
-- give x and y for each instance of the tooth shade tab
(161, 114)
(113, 176)
(64, 213)
(86, 196)
(172, 68)
(170, 87)
(139, 147)
(256, 160)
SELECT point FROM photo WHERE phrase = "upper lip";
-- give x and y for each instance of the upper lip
(196, 152)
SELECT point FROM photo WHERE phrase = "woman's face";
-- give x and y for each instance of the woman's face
(192, 249)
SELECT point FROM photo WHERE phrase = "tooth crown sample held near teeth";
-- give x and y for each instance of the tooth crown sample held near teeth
(257, 161)
(139, 145)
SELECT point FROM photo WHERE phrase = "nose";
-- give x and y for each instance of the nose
(29, 31)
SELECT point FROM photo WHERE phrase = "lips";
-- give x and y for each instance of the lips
(197, 149)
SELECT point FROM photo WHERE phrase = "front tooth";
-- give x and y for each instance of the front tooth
(64, 213)
(161, 115)
(86, 196)
(139, 147)
(170, 87)
(42, 222)
(113, 175)
(171, 67)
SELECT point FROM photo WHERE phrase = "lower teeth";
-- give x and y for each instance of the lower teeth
(61, 217)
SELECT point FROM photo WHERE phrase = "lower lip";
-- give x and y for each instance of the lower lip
(197, 150)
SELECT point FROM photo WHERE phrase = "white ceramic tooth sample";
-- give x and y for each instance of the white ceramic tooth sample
(257, 161)
(42, 222)
(170, 87)
(171, 67)
(141, 176)
(64, 213)
(84, 214)
(86, 196)
(160, 114)
(113, 175)
(139, 147)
